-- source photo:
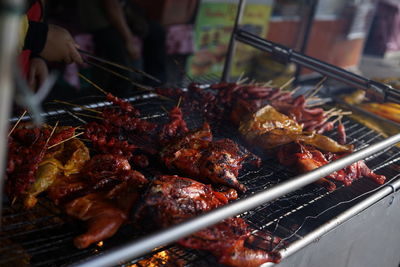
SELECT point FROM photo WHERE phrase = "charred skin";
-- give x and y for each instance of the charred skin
(226, 241)
(102, 216)
(197, 156)
(221, 163)
(173, 199)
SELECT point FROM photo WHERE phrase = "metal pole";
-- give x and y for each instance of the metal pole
(232, 42)
(10, 12)
(145, 245)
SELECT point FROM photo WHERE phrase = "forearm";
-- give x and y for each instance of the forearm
(117, 19)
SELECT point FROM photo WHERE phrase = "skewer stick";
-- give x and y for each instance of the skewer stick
(75, 105)
(238, 81)
(92, 83)
(179, 102)
(16, 124)
(138, 85)
(89, 116)
(286, 84)
(130, 69)
(163, 108)
(65, 140)
(314, 92)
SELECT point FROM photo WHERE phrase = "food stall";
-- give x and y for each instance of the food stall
(262, 193)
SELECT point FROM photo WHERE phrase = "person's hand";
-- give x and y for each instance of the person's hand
(60, 46)
(38, 73)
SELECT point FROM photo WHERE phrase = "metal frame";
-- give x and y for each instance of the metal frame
(381, 91)
(10, 11)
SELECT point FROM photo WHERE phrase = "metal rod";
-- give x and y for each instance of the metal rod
(10, 11)
(309, 17)
(380, 91)
(349, 213)
(164, 237)
(232, 43)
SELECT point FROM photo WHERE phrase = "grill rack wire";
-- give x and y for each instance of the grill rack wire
(43, 236)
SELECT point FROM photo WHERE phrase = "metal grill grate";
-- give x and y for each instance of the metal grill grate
(43, 236)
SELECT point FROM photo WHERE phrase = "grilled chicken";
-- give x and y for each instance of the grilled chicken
(226, 240)
(197, 156)
(173, 199)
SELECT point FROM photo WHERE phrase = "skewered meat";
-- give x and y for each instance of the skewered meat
(307, 158)
(342, 138)
(235, 101)
(196, 156)
(268, 128)
(175, 128)
(173, 199)
(66, 159)
(27, 148)
(226, 240)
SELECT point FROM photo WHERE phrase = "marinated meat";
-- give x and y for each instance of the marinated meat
(226, 240)
(306, 158)
(173, 199)
(197, 156)
(269, 129)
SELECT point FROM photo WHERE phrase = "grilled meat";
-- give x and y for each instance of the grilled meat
(106, 210)
(197, 156)
(173, 199)
(306, 158)
(65, 159)
(269, 129)
(27, 147)
(226, 240)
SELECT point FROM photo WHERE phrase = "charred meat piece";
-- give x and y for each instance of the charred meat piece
(306, 158)
(105, 211)
(173, 199)
(221, 163)
(197, 156)
(226, 240)
(102, 216)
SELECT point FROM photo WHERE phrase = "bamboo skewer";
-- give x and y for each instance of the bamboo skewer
(92, 83)
(138, 85)
(65, 140)
(114, 64)
(179, 102)
(89, 116)
(75, 105)
(16, 124)
(286, 84)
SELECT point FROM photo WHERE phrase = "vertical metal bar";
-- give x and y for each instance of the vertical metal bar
(310, 15)
(10, 11)
(232, 42)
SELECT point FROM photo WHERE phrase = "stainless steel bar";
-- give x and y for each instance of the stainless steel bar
(232, 42)
(381, 91)
(145, 245)
(10, 11)
(314, 235)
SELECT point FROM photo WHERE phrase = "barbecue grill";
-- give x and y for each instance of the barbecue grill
(294, 209)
